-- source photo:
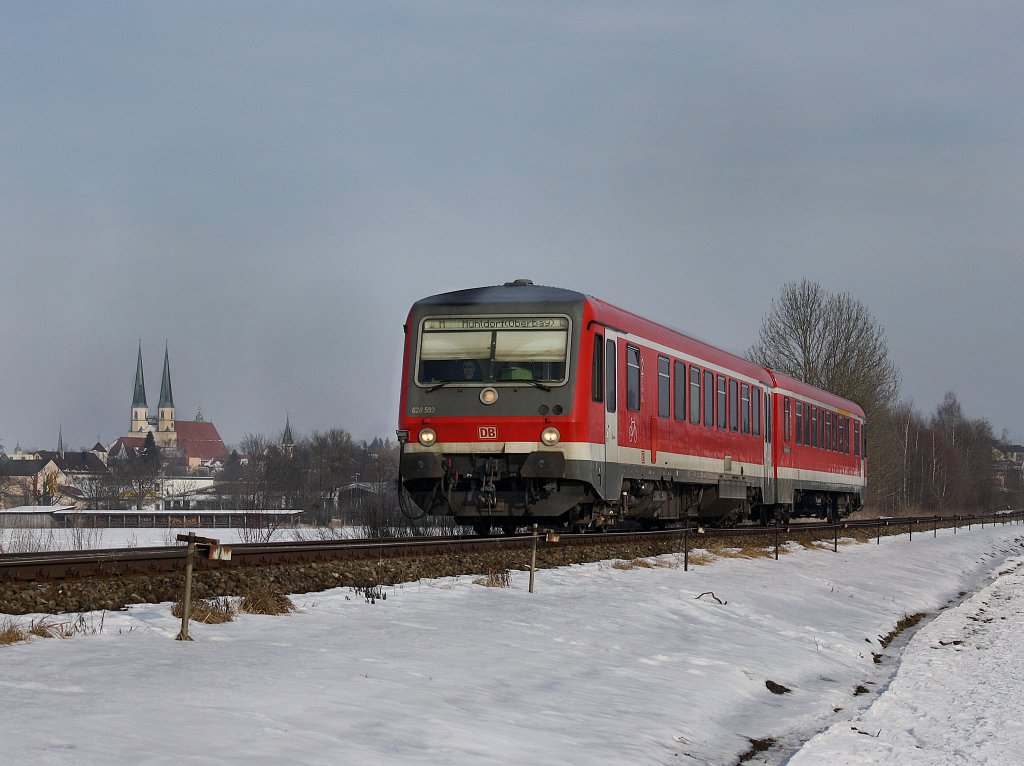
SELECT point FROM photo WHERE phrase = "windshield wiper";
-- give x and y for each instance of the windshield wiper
(536, 383)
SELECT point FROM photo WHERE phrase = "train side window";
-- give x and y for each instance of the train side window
(827, 444)
(755, 400)
(814, 427)
(694, 395)
(864, 437)
(709, 398)
(821, 429)
(609, 377)
(632, 378)
(680, 391)
(785, 419)
(856, 438)
(807, 425)
(745, 408)
(734, 406)
(799, 422)
(664, 387)
(722, 402)
(597, 370)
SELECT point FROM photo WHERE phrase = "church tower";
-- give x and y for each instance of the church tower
(165, 409)
(140, 410)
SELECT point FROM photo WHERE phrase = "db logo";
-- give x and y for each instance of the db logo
(487, 432)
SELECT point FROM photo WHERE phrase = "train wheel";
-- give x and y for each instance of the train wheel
(509, 528)
(481, 528)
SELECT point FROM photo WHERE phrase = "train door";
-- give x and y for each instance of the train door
(768, 489)
(611, 417)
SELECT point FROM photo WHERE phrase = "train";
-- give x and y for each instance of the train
(526, 404)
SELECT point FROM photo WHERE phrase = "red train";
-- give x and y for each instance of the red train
(527, 404)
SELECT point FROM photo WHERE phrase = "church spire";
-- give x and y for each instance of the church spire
(165, 409)
(166, 399)
(139, 399)
(140, 410)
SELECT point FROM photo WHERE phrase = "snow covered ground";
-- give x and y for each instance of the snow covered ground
(601, 665)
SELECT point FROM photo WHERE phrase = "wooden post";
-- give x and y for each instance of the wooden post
(878, 539)
(777, 539)
(186, 604)
(533, 558)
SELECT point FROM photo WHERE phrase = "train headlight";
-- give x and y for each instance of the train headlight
(489, 395)
(428, 437)
(549, 436)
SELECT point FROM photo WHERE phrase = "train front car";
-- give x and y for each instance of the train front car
(491, 414)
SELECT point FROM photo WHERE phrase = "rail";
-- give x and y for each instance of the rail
(115, 562)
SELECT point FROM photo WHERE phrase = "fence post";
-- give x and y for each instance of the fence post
(910, 528)
(878, 538)
(776, 539)
(533, 558)
(186, 604)
(935, 526)
(835, 536)
(686, 546)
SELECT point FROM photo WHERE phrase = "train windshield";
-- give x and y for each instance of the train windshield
(493, 349)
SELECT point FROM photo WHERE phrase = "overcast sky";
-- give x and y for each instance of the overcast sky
(268, 187)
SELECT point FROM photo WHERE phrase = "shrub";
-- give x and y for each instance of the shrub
(266, 601)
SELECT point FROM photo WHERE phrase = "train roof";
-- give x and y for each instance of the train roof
(519, 291)
(524, 291)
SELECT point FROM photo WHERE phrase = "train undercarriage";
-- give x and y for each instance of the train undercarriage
(509, 491)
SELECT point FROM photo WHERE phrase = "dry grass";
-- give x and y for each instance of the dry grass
(633, 564)
(907, 621)
(266, 601)
(697, 558)
(501, 579)
(11, 632)
(210, 611)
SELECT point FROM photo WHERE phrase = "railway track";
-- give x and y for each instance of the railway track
(121, 562)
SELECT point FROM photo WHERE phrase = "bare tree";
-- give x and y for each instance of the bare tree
(830, 341)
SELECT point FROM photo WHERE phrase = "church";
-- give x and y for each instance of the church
(193, 444)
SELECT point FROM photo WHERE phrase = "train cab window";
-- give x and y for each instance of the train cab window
(734, 406)
(597, 370)
(680, 391)
(709, 398)
(611, 395)
(632, 378)
(664, 387)
(745, 408)
(755, 400)
(486, 350)
(799, 422)
(785, 419)
(723, 402)
(694, 395)
(767, 417)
